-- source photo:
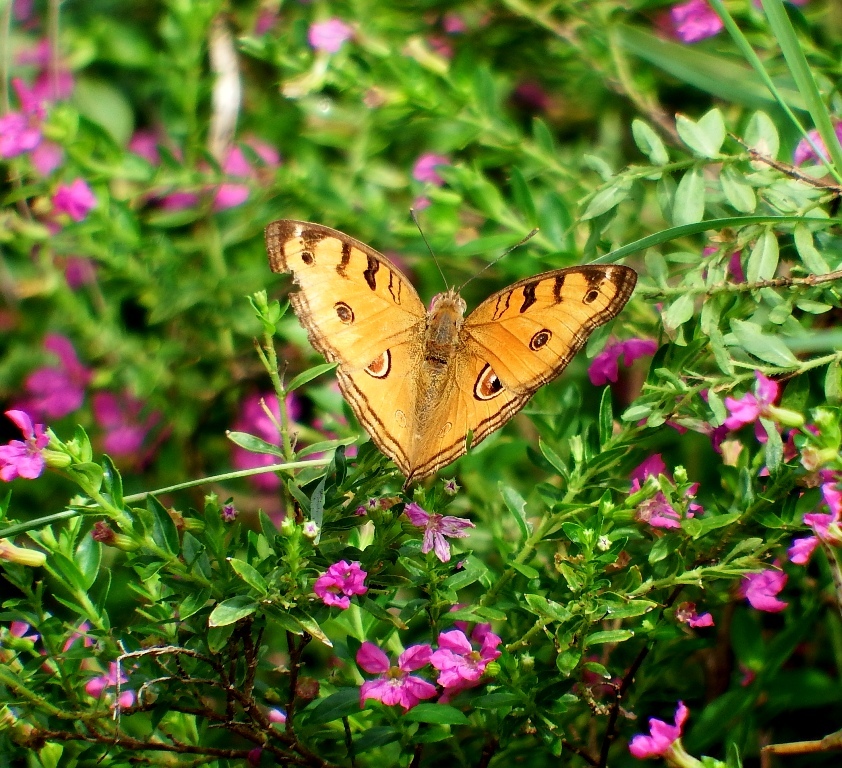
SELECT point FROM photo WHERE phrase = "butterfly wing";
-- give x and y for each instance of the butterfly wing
(360, 311)
(530, 331)
(514, 342)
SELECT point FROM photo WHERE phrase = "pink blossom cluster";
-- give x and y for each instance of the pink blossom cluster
(460, 666)
(339, 583)
(23, 458)
(657, 510)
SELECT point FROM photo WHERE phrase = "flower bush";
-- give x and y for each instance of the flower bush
(204, 559)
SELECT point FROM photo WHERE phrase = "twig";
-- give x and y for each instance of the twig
(789, 170)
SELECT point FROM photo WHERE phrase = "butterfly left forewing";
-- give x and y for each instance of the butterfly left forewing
(353, 302)
(530, 331)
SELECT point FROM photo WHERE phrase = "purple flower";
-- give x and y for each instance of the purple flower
(53, 392)
(395, 685)
(761, 589)
(339, 582)
(659, 513)
(75, 199)
(605, 368)
(23, 458)
(120, 418)
(98, 685)
(228, 513)
(750, 407)
(459, 665)
(436, 528)
(277, 715)
(425, 168)
(686, 613)
(662, 736)
(695, 20)
(804, 150)
(329, 36)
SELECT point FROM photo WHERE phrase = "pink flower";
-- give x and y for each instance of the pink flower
(78, 271)
(459, 665)
(436, 528)
(230, 194)
(695, 20)
(277, 716)
(659, 513)
(46, 157)
(120, 418)
(329, 36)
(395, 685)
(825, 526)
(80, 632)
(179, 201)
(23, 458)
(75, 199)
(53, 392)
(21, 131)
(750, 407)
(662, 736)
(425, 168)
(145, 144)
(453, 23)
(804, 150)
(97, 686)
(20, 629)
(686, 613)
(760, 589)
(604, 367)
(653, 466)
(266, 19)
(253, 419)
(339, 582)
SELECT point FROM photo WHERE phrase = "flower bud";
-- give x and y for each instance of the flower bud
(785, 416)
(310, 529)
(56, 459)
(20, 555)
(493, 668)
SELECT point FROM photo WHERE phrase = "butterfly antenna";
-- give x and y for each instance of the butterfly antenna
(424, 238)
(505, 253)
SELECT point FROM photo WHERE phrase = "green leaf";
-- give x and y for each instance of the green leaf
(104, 104)
(764, 346)
(608, 636)
(689, 204)
(607, 198)
(88, 475)
(69, 571)
(309, 375)
(88, 559)
(649, 143)
(193, 603)
(628, 610)
(436, 713)
(517, 506)
(680, 311)
(738, 192)
(164, 532)
(369, 606)
(253, 444)
(808, 252)
(523, 197)
(763, 260)
(112, 481)
(249, 574)
(762, 135)
(548, 608)
(833, 384)
(311, 626)
(317, 507)
(606, 417)
(774, 446)
(343, 703)
(526, 570)
(231, 610)
(705, 137)
(543, 137)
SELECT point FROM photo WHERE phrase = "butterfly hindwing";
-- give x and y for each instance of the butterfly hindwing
(531, 330)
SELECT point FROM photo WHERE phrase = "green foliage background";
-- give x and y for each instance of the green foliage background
(597, 161)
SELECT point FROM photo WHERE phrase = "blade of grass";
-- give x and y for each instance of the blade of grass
(753, 59)
(783, 30)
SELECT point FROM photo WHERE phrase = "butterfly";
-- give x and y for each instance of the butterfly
(425, 383)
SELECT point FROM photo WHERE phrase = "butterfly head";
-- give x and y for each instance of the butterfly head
(444, 324)
(449, 302)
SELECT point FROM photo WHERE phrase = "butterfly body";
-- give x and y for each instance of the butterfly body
(421, 381)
